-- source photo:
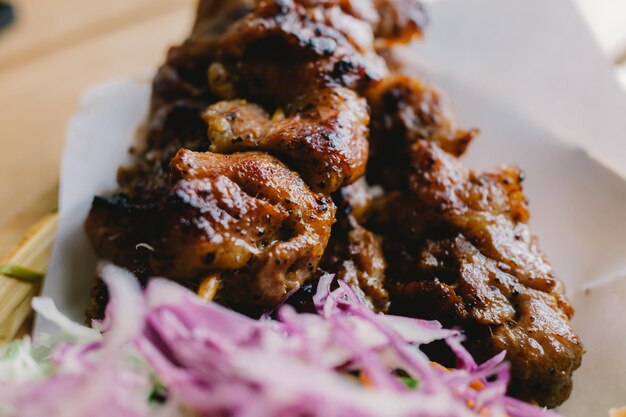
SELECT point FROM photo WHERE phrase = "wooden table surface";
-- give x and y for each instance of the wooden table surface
(48, 56)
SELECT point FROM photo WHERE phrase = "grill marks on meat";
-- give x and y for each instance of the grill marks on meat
(393, 21)
(180, 93)
(261, 116)
(489, 209)
(322, 134)
(458, 285)
(462, 253)
(326, 56)
(285, 42)
(406, 109)
(403, 111)
(245, 216)
(354, 254)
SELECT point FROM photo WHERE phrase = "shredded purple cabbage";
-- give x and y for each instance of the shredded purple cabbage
(165, 352)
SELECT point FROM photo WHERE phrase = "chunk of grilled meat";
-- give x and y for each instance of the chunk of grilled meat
(489, 209)
(458, 285)
(180, 93)
(403, 111)
(185, 85)
(324, 55)
(181, 88)
(460, 251)
(119, 230)
(287, 77)
(171, 127)
(322, 134)
(245, 217)
(284, 50)
(354, 254)
(393, 21)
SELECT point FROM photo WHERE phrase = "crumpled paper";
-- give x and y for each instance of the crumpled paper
(527, 73)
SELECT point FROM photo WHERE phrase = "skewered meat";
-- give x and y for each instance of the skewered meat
(245, 216)
(244, 219)
(405, 110)
(393, 21)
(354, 254)
(322, 134)
(180, 93)
(463, 254)
(284, 50)
(458, 285)
(330, 149)
(274, 97)
(490, 209)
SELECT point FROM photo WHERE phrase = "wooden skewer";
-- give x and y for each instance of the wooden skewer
(209, 287)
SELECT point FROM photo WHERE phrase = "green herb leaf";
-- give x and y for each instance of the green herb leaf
(19, 272)
(409, 382)
(158, 394)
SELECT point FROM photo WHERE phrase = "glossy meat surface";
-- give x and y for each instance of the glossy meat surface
(267, 118)
(248, 218)
(299, 68)
(489, 209)
(284, 50)
(355, 255)
(244, 219)
(180, 93)
(195, 74)
(460, 251)
(405, 110)
(393, 21)
(322, 134)
(458, 285)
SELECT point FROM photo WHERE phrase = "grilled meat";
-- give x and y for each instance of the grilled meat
(284, 44)
(259, 128)
(116, 226)
(462, 253)
(458, 285)
(322, 134)
(245, 216)
(393, 21)
(354, 254)
(405, 110)
(244, 219)
(490, 209)
(180, 93)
